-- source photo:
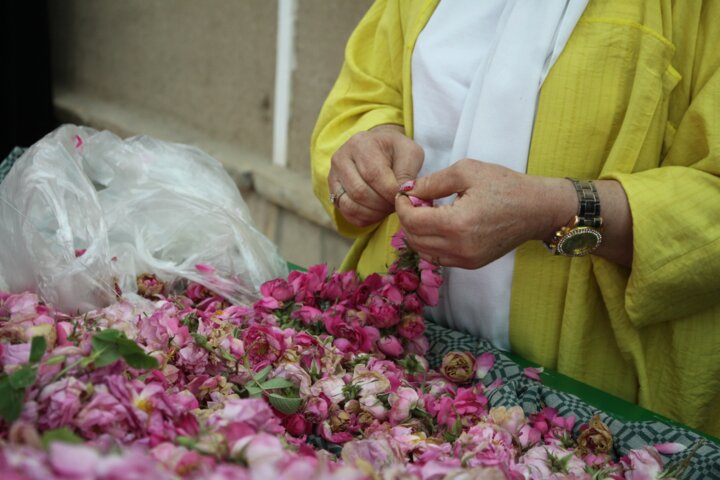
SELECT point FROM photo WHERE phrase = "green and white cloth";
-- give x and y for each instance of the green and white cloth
(532, 396)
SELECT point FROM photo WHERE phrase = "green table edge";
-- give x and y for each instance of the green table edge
(606, 402)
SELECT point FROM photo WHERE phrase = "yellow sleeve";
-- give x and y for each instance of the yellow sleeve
(676, 207)
(367, 93)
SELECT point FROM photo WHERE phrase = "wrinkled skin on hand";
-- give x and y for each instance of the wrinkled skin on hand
(371, 166)
(495, 211)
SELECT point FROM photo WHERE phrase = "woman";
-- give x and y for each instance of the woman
(489, 106)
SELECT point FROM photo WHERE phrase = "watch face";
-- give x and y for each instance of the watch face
(579, 241)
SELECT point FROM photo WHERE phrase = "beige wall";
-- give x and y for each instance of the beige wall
(203, 72)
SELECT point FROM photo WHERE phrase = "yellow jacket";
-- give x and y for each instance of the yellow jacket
(635, 96)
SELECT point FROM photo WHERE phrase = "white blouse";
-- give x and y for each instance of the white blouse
(477, 69)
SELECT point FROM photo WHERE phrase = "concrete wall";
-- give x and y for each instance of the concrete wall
(203, 72)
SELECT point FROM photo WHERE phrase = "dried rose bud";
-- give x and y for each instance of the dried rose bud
(365, 418)
(596, 438)
(458, 367)
(352, 406)
(148, 285)
(339, 421)
(24, 433)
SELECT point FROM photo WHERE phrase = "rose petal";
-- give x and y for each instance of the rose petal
(669, 448)
(483, 364)
(533, 373)
(204, 268)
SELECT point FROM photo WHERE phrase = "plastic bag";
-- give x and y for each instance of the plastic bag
(83, 211)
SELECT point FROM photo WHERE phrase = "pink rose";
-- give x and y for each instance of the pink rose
(398, 240)
(372, 283)
(259, 451)
(356, 338)
(278, 289)
(468, 403)
(382, 314)
(372, 405)
(642, 464)
(255, 412)
(61, 402)
(296, 425)
(263, 344)
(406, 280)
(307, 315)
(418, 345)
(402, 402)
(412, 303)
(316, 409)
(430, 282)
(376, 452)
(15, 354)
(411, 326)
(390, 346)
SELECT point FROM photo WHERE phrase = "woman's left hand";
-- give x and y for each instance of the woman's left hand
(495, 211)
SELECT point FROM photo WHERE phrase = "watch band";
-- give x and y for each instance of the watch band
(582, 234)
(589, 210)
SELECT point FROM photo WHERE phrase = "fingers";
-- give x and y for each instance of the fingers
(408, 158)
(443, 183)
(354, 211)
(423, 220)
(439, 234)
(373, 166)
(345, 170)
(366, 167)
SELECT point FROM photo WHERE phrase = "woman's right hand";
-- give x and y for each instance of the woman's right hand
(371, 166)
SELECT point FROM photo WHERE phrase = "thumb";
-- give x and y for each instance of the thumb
(440, 184)
(408, 158)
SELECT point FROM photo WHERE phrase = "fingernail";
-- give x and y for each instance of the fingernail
(407, 186)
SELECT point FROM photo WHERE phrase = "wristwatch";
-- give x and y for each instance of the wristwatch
(582, 234)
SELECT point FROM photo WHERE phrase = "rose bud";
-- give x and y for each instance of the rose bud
(390, 346)
(596, 438)
(296, 425)
(458, 367)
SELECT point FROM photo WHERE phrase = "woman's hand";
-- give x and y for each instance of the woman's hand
(370, 167)
(496, 210)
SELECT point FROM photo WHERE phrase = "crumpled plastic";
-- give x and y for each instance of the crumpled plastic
(83, 213)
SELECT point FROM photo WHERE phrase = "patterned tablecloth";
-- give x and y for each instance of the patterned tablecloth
(532, 396)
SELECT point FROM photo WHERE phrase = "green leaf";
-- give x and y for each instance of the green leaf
(104, 346)
(11, 401)
(141, 361)
(202, 341)
(37, 349)
(274, 383)
(134, 355)
(54, 360)
(111, 345)
(227, 355)
(287, 405)
(107, 356)
(253, 390)
(262, 374)
(23, 377)
(109, 335)
(185, 441)
(64, 435)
